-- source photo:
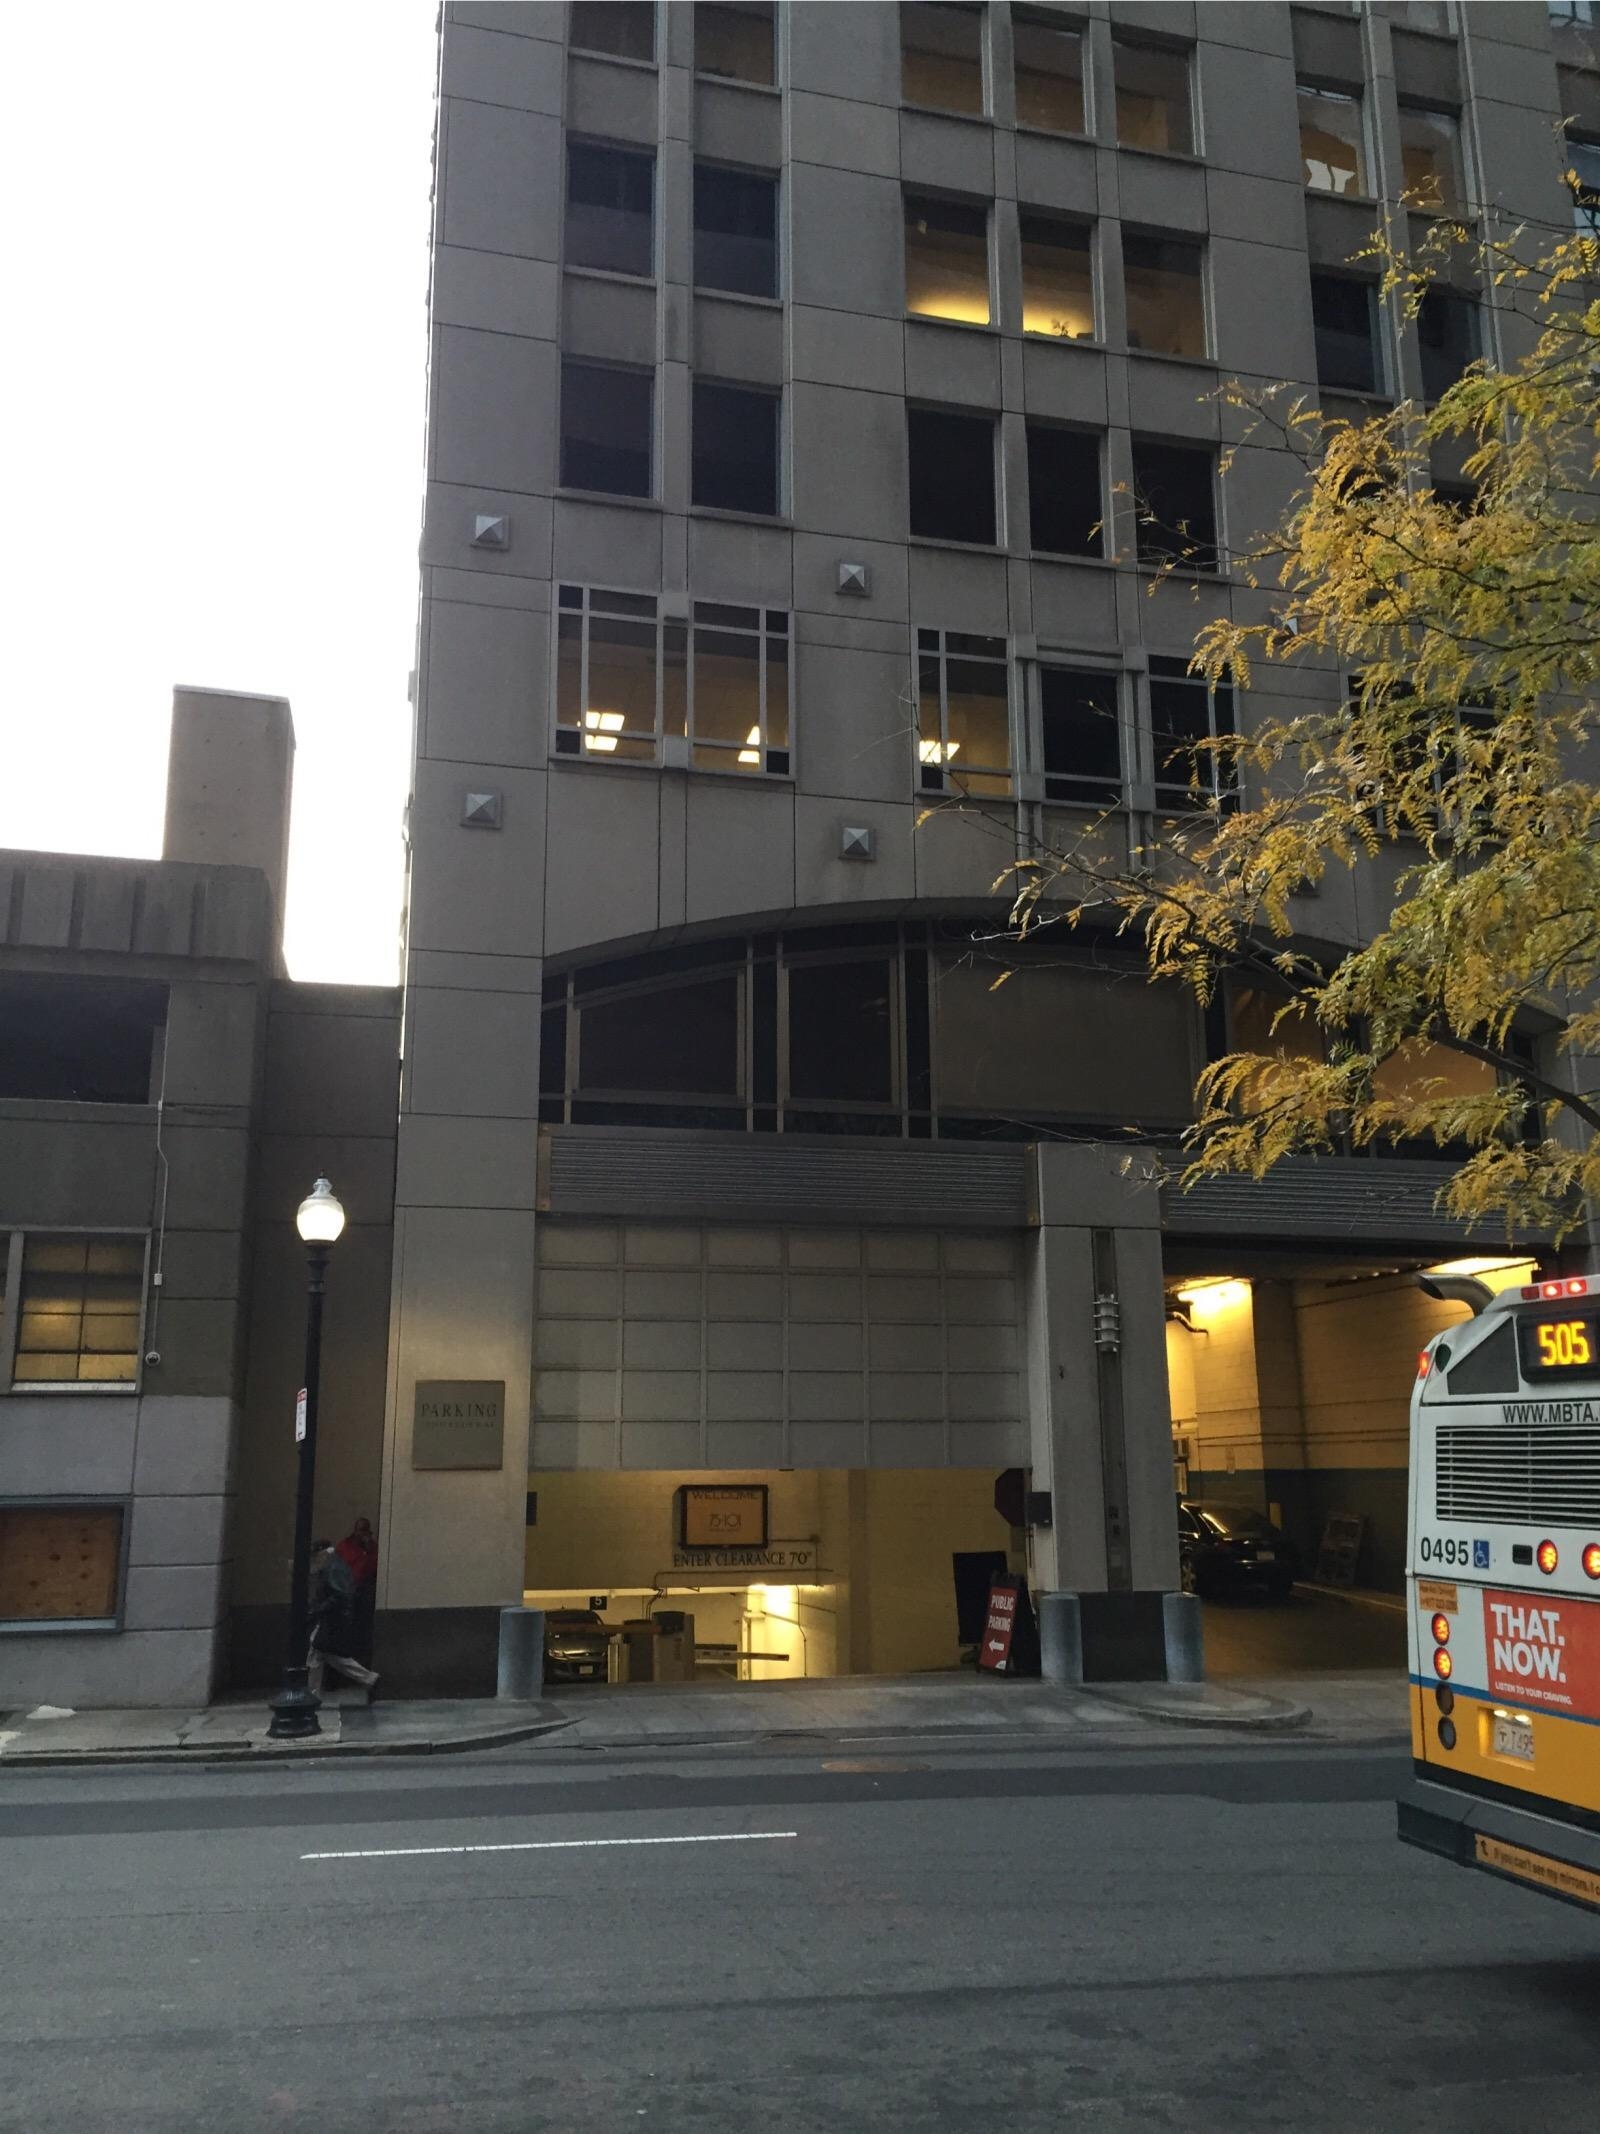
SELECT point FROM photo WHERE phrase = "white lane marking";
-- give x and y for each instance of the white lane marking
(417, 1852)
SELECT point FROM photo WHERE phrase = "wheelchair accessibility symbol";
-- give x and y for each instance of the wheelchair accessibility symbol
(1480, 1556)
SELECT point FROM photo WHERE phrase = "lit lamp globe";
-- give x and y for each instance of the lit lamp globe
(320, 1216)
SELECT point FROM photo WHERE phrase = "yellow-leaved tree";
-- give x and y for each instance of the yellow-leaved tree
(1452, 763)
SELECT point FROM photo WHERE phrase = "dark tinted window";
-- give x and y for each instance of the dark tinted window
(1447, 336)
(1177, 516)
(1082, 736)
(951, 461)
(736, 42)
(79, 1040)
(1235, 1519)
(1064, 504)
(1344, 314)
(1165, 295)
(941, 55)
(735, 230)
(1048, 57)
(840, 1025)
(735, 457)
(605, 428)
(680, 1041)
(625, 29)
(610, 208)
(1491, 1367)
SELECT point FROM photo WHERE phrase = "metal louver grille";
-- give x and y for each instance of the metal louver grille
(1549, 1476)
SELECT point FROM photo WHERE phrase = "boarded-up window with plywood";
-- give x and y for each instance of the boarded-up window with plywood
(59, 1563)
(1064, 1042)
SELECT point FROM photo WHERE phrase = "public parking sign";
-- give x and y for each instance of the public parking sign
(999, 1625)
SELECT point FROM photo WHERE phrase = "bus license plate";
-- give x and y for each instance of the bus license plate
(1512, 1737)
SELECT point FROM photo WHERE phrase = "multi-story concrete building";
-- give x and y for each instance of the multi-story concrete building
(795, 376)
(167, 1096)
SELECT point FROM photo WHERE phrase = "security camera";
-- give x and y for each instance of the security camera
(152, 1355)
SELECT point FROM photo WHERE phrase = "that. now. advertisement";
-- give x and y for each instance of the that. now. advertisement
(1543, 1652)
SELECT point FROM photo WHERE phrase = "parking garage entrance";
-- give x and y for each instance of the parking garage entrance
(784, 1575)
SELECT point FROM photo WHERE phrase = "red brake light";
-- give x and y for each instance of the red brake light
(1578, 1287)
(1547, 1557)
(1591, 1560)
(1441, 1629)
(1443, 1665)
(1422, 1364)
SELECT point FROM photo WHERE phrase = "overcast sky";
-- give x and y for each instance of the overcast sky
(216, 276)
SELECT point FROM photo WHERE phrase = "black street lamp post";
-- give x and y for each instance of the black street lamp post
(319, 1220)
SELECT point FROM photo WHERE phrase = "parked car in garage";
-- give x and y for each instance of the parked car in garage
(1233, 1548)
(575, 1646)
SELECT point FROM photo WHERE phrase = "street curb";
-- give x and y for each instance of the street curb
(493, 1738)
(1282, 1718)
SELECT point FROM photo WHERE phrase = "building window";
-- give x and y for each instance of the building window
(951, 461)
(941, 55)
(605, 428)
(1080, 725)
(736, 42)
(610, 208)
(1048, 59)
(1066, 509)
(1175, 499)
(1430, 160)
(1583, 177)
(963, 713)
(1154, 98)
(79, 1310)
(1447, 339)
(80, 1040)
(1057, 277)
(1344, 315)
(60, 1563)
(947, 260)
(621, 29)
(1166, 295)
(649, 1041)
(739, 689)
(628, 678)
(1332, 141)
(608, 667)
(1186, 714)
(842, 1020)
(734, 464)
(735, 230)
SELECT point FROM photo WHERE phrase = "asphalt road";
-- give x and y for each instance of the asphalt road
(893, 1937)
(1306, 1634)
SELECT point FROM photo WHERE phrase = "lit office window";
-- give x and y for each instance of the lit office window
(1154, 97)
(739, 689)
(610, 208)
(1430, 159)
(607, 674)
(1187, 715)
(947, 259)
(79, 1311)
(1332, 141)
(963, 713)
(1048, 61)
(736, 42)
(1057, 277)
(1080, 727)
(941, 55)
(1165, 287)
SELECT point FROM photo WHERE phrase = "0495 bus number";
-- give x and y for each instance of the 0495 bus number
(1456, 1553)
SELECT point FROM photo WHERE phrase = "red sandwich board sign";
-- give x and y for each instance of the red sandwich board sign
(999, 1625)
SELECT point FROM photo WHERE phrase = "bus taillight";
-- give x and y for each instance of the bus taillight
(1441, 1630)
(1443, 1665)
(1591, 1560)
(1547, 1557)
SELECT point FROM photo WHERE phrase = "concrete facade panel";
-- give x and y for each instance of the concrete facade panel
(601, 867)
(67, 1444)
(173, 1597)
(868, 274)
(178, 1530)
(142, 1670)
(484, 888)
(497, 191)
(844, 133)
(608, 320)
(185, 1446)
(495, 410)
(487, 685)
(473, 1055)
(483, 65)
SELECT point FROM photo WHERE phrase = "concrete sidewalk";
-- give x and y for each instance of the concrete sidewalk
(956, 1706)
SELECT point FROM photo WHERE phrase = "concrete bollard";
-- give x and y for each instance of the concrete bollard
(520, 1675)
(1060, 1637)
(1183, 1627)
